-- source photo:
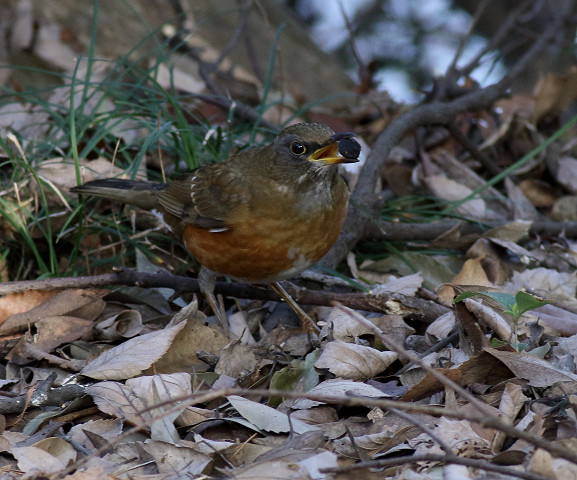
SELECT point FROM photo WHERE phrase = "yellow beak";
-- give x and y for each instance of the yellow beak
(329, 155)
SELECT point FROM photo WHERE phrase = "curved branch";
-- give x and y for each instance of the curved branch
(426, 114)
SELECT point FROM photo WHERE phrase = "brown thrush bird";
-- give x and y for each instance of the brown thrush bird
(261, 216)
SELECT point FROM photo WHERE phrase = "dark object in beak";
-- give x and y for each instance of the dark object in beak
(341, 149)
(349, 148)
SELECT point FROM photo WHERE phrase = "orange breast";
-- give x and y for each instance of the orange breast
(267, 248)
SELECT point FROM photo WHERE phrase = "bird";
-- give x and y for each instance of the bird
(260, 216)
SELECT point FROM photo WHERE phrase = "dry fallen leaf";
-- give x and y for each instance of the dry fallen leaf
(50, 455)
(450, 190)
(106, 429)
(194, 337)
(511, 404)
(546, 282)
(555, 92)
(63, 303)
(283, 470)
(125, 324)
(567, 173)
(482, 368)
(472, 273)
(15, 303)
(536, 371)
(353, 362)
(457, 435)
(135, 401)
(337, 388)
(55, 331)
(343, 326)
(178, 461)
(62, 172)
(132, 357)
(267, 418)
(235, 358)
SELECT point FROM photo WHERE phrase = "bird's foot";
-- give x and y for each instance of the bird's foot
(206, 280)
(309, 326)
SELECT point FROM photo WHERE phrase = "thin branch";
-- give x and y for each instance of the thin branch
(205, 69)
(463, 41)
(490, 421)
(499, 37)
(344, 400)
(43, 395)
(487, 162)
(416, 308)
(219, 97)
(425, 429)
(435, 348)
(244, 14)
(394, 345)
(239, 109)
(412, 459)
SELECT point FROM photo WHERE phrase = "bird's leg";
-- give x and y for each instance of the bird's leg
(306, 321)
(206, 281)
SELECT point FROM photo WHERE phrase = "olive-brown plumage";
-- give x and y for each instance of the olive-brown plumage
(261, 216)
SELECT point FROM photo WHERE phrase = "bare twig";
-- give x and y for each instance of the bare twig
(412, 459)
(206, 69)
(365, 73)
(394, 345)
(244, 14)
(239, 109)
(345, 400)
(427, 232)
(451, 70)
(488, 163)
(416, 308)
(421, 426)
(435, 348)
(499, 37)
(43, 395)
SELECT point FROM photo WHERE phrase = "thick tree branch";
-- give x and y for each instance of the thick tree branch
(436, 113)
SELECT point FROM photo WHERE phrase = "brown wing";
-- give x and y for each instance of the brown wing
(206, 197)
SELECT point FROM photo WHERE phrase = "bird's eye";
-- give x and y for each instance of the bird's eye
(298, 148)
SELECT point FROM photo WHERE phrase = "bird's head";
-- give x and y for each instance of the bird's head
(318, 144)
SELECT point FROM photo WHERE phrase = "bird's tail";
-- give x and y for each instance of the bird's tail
(131, 192)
